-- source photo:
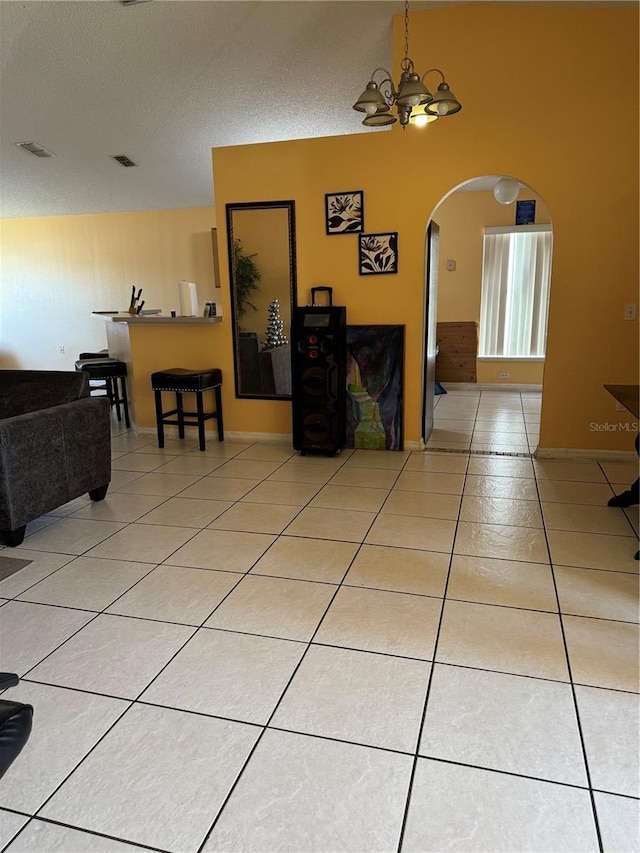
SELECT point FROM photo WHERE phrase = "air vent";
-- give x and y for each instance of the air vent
(133, 2)
(123, 160)
(35, 149)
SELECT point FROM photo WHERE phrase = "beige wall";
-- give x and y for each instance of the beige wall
(56, 270)
(586, 170)
(462, 217)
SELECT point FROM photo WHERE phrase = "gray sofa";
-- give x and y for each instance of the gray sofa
(55, 445)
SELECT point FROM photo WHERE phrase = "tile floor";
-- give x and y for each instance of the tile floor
(248, 650)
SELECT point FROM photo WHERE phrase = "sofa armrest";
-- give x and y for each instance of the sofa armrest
(49, 457)
(24, 391)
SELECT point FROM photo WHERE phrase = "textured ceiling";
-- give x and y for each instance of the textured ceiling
(163, 82)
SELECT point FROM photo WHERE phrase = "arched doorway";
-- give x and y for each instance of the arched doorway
(509, 312)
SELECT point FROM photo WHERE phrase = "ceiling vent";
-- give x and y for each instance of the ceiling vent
(123, 160)
(35, 149)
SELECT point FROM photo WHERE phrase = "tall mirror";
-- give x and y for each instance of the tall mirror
(262, 270)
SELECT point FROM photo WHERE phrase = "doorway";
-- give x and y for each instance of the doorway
(454, 266)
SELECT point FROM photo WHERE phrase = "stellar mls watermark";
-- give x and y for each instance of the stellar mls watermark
(609, 427)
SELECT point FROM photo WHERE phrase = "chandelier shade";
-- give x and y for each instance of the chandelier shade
(371, 100)
(444, 102)
(413, 101)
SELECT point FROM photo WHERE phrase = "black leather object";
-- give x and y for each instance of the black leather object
(181, 379)
(102, 368)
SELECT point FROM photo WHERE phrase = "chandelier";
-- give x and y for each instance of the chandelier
(413, 101)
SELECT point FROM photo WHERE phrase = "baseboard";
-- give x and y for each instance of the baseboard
(409, 446)
(598, 455)
(250, 437)
(488, 386)
(231, 435)
(264, 437)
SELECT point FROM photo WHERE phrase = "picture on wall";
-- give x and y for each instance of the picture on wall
(344, 212)
(375, 356)
(379, 253)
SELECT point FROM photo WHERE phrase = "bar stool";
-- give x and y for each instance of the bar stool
(181, 381)
(104, 386)
(110, 370)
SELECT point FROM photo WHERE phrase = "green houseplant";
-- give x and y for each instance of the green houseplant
(246, 275)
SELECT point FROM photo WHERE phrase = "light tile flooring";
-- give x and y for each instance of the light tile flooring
(248, 650)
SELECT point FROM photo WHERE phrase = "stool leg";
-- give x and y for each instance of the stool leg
(159, 424)
(125, 402)
(200, 408)
(113, 385)
(180, 409)
(218, 390)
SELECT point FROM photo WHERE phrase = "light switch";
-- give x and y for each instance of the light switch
(451, 266)
(630, 311)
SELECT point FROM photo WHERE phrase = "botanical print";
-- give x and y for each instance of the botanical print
(378, 253)
(344, 212)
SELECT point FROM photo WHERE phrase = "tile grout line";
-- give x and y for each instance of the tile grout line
(434, 653)
(572, 683)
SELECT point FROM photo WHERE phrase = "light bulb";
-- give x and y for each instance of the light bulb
(414, 100)
(420, 120)
(443, 108)
(506, 190)
(370, 109)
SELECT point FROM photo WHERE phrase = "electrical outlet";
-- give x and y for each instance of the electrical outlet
(630, 311)
(504, 376)
(451, 266)
(620, 407)
(61, 350)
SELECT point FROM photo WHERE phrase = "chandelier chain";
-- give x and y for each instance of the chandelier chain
(412, 99)
(406, 30)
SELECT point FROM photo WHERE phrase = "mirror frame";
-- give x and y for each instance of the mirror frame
(290, 206)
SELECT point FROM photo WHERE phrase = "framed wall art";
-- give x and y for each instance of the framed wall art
(344, 212)
(375, 356)
(378, 253)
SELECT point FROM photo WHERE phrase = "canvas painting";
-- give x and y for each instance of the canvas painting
(379, 253)
(344, 212)
(375, 356)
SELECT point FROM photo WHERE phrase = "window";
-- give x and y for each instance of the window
(516, 271)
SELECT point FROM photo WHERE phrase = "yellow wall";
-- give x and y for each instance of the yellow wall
(56, 270)
(461, 217)
(505, 62)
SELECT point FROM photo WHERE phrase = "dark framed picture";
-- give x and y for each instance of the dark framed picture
(526, 212)
(344, 212)
(379, 253)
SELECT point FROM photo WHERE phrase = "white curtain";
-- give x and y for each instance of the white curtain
(515, 291)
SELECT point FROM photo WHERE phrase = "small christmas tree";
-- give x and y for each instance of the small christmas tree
(274, 334)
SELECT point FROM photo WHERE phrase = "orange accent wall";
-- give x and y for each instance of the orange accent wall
(530, 78)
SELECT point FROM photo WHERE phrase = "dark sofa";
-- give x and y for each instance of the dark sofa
(55, 445)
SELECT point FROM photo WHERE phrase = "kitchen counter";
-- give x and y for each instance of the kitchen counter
(152, 342)
(156, 319)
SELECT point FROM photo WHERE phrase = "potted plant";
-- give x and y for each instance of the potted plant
(246, 278)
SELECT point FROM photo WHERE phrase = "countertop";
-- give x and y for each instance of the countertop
(155, 319)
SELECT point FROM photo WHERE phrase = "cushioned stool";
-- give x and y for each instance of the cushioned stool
(106, 385)
(181, 381)
(112, 371)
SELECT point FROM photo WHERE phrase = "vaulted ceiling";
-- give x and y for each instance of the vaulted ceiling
(163, 82)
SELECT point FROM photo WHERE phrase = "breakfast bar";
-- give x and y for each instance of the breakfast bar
(150, 343)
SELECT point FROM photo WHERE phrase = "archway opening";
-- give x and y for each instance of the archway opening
(488, 253)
